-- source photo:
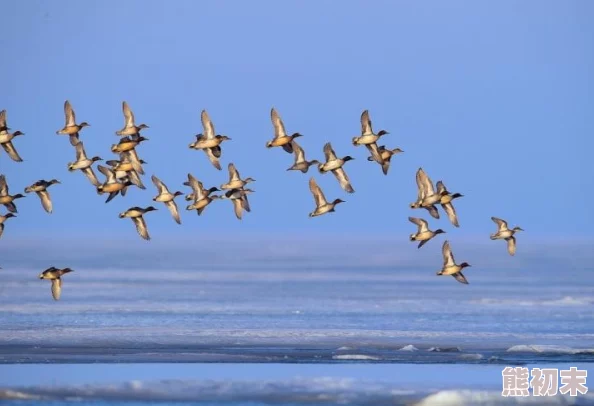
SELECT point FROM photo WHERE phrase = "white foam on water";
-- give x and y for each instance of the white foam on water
(551, 349)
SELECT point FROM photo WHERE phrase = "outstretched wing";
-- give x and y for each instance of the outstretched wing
(172, 206)
(12, 152)
(3, 126)
(448, 256)
(3, 186)
(501, 224)
(233, 173)
(69, 114)
(343, 179)
(209, 130)
(298, 151)
(279, 127)
(459, 276)
(212, 158)
(425, 182)
(451, 212)
(511, 245)
(159, 185)
(46, 201)
(90, 174)
(80, 152)
(375, 153)
(141, 227)
(366, 123)
(329, 152)
(56, 288)
(421, 224)
(128, 115)
(318, 195)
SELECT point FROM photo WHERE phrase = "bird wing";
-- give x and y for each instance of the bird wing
(237, 207)
(46, 201)
(197, 187)
(318, 195)
(1, 229)
(172, 206)
(459, 276)
(56, 288)
(109, 174)
(375, 153)
(141, 227)
(3, 186)
(80, 152)
(426, 183)
(135, 179)
(441, 189)
(69, 114)
(11, 151)
(233, 173)
(128, 115)
(159, 185)
(90, 174)
(209, 130)
(511, 245)
(212, 158)
(11, 207)
(366, 123)
(451, 212)
(279, 127)
(432, 211)
(343, 179)
(329, 152)
(422, 224)
(133, 156)
(448, 256)
(298, 151)
(502, 224)
(3, 120)
(245, 203)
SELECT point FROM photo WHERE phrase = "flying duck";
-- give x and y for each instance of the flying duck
(203, 192)
(301, 164)
(281, 139)
(3, 218)
(55, 275)
(129, 127)
(135, 213)
(386, 157)
(111, 185)
(127, 144)
(6, 138)
(199, 195)
(446, 202)
(209, 140)
(449, 265)
(369, 138)
(423, 233)
(6, 199)
(239, 199)
(335, 165)
(235, 181)
(84, 164)
(426, 197)
(40, 187)
(505, 233)
(322, 205)
(71, 128)
(166, 197)
(124, 169)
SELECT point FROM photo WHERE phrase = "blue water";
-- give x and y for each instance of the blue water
(151, 320)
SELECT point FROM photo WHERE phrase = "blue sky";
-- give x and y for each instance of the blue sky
(504, 90)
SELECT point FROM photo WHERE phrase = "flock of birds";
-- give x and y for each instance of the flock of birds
(125, 172)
